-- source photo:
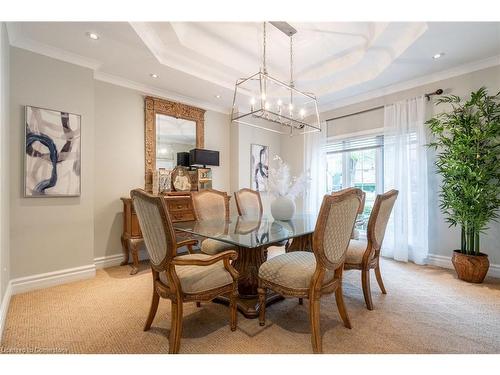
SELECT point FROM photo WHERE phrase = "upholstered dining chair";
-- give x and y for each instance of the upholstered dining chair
(248, 202)
(211, 204)
(310, 275)
(359, 220)
(184, 278)
(365, 255)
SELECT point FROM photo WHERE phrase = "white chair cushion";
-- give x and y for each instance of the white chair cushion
(196, 279)
(355, 252)
(292, 270)
(212, 247)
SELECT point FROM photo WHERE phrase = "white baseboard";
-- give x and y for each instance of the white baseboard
(116, 259)
(108, 261)
(45, 280)
(445, 262)
(4, 308)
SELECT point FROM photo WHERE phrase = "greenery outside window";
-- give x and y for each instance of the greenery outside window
(357, 163)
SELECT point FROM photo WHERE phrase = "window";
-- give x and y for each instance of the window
(357, 163)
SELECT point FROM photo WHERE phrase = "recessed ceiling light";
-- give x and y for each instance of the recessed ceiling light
(217, 96)
(93, 36)
(154, 75)
(438, 55)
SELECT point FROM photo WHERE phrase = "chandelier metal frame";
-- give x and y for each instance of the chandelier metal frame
(260, 110)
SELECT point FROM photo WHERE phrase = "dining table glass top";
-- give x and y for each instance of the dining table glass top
(250, 231)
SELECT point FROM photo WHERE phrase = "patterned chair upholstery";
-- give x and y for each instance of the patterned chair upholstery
(212, 204)
(248, 202)
(185, 278)
(365, 255)
(310, 275)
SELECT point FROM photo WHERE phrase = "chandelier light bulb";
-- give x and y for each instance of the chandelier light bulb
(266, 105)
(252, 103)
(290, 107)
(263, 96)
(279, 102)
(302, 112)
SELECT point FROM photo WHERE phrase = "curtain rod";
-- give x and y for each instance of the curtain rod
(428, 96)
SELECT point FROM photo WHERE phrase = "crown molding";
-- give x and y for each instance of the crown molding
(410, 84)
(18, 41)
(155, 91)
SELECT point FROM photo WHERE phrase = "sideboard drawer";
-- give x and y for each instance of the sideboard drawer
(187, 215)
(179, 205)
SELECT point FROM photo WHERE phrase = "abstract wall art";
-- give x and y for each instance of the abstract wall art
(259, 167)
(52, 166)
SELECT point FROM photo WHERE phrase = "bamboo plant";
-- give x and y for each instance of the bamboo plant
(467, 140)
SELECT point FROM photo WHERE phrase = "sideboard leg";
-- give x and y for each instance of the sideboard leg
(125, 251)
(134, 249)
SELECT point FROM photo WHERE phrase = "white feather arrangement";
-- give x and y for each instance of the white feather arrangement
(281, 184)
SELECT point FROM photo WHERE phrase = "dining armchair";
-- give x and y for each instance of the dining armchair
(310, 275)
(181, 278)
(248, 202)
(365, 255)
(210, 204)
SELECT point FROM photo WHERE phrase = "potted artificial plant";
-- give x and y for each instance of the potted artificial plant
(467, 139)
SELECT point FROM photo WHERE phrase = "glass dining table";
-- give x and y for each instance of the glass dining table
(251, 236)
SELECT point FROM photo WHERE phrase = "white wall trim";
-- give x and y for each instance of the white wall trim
(445, 262)
(18, 41)
(45, 280)
(410, 84)
(108, 261)
(115, 259)
(4, 308)
(155, 91)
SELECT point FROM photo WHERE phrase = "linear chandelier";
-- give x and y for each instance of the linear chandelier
(264, 102)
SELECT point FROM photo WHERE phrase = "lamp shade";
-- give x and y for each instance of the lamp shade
(198, 156)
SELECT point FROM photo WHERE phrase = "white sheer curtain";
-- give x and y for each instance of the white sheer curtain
(405, 169)
(315, 166)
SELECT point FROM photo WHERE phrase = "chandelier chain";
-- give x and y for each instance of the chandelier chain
(291, 61)
(264, 68)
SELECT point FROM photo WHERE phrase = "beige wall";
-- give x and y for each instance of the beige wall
(4, 161)
(49, 234)
(119, 160)
(119, 156)
(441, 238)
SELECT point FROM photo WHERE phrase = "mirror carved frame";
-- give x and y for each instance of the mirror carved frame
(154, 106)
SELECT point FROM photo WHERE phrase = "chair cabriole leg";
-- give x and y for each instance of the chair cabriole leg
(365, 281)
(262, 305)
(314, 314)
(175, 328)
(152, 310)
(378, 275)
(234, 309)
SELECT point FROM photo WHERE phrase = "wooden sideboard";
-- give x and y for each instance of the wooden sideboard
(180, 208)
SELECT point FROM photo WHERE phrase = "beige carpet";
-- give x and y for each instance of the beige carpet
(427, 310)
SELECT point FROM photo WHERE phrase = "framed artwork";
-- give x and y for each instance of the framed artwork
(180, 179)
(259, 167)
(52, 149)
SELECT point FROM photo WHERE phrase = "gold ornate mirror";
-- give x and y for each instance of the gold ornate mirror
(170, 127)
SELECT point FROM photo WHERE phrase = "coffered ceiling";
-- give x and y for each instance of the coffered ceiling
(199, 62)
